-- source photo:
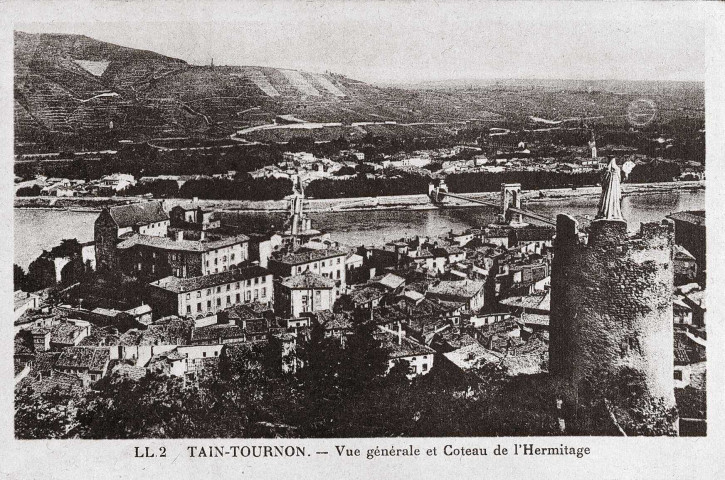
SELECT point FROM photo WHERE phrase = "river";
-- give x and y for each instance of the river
(37, 229)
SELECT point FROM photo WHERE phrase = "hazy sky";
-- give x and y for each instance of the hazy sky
(408, 42)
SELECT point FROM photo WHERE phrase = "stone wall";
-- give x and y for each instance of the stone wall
(611, 303)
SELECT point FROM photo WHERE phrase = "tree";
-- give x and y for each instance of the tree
(42, 416)
(19, 278)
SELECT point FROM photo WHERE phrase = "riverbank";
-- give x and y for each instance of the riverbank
(397, 202)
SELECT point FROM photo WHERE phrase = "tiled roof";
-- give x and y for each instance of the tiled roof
(308, 280)
(129, 371)
(181, 285)
(366, 294)
(458, 288)
(472, 355)
(215, 332)
(390, 280)
(64, 333)
(308, 256)
(166, 243)
(247, 311)
(92, 358)
(138, 214)
(535, 319)
(536, 301)
(62, 381)
(405, 348)
(334, 321)
(695, 217)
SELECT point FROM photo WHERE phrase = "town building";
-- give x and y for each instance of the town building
(147, 219)
(400, 348)
(90, 362)
(209, 294)
(149, 256)
(328, 263)
(306, 292)
(468, 292)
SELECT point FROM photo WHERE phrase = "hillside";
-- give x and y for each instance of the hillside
(72, 85)
(71, 90)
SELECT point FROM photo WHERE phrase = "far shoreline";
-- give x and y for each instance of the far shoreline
(312, 205)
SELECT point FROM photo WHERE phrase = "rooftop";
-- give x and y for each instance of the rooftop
(457, 288)
(541, 301)
(390, 281)
(405, 348)
(308, 256)
(695, 217)
(308, 280)
(215, 332)
(92, 358)
(181, 285)
(138, 214)
(166, 243)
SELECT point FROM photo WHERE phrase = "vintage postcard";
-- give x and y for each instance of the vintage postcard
(375, 240)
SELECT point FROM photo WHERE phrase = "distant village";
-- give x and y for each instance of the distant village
(454, 302)
(498, 153)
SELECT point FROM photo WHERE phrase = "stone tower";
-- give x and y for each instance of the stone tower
(611, 298)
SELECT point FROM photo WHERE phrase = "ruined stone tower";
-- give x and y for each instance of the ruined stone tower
(611, 300)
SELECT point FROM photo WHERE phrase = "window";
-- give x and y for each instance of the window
(264, 291)
(208, 304)
(338, 261)
(323, 263)
(198, 294)
(299, 269)
(425, 367)
(229, 300)
(198, 307)
(229, 286)
(338, 274)
(232, 257)
(208, 291)
(318, 297)
(237, 287)
(256, 281)
(224, 258)
(218, 302)
(249, 283)
(238, 299)
(188, 309)
(247, 296)
(256, 294)
(678, 374)
(188, 296)
(204, 354)
(218, 289)
(216, 261)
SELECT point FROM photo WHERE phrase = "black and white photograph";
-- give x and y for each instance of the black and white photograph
(361, 221)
